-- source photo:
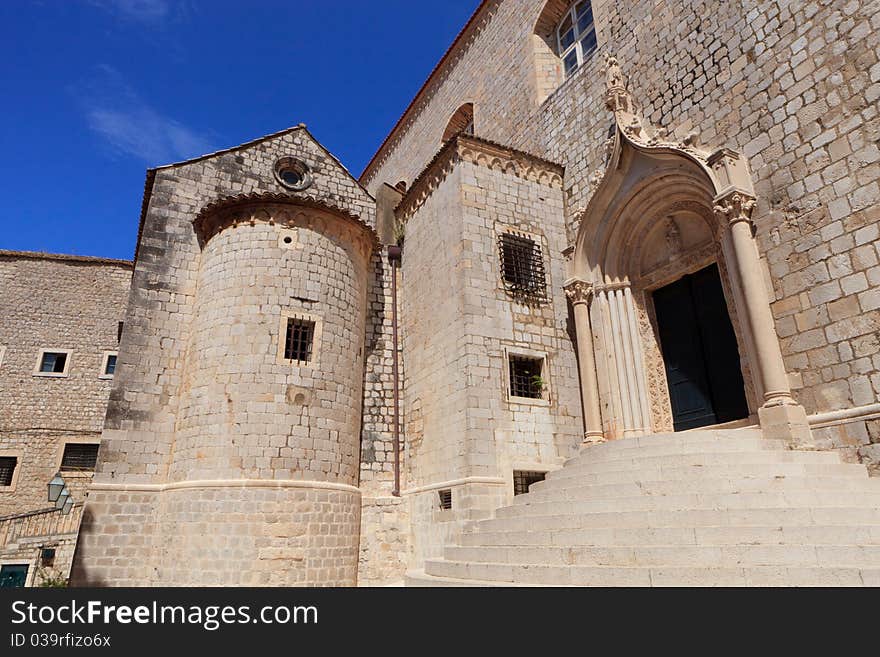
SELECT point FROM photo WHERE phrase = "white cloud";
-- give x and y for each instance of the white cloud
(132, 126)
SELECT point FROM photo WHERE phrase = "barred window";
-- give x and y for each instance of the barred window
(298, 341)
(445, 498)
(522, 266)
(522, 479)
(7, 469)
(576, 36)
(525, 377)
(80, 456)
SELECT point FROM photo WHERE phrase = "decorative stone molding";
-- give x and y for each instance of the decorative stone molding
(281, 209)
(480, 152)
(578, 291)
(734, 208)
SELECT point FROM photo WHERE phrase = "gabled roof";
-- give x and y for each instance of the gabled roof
(151, 173)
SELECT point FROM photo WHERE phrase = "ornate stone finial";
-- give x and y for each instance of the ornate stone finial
(734, 208)
(613, 74)
(578, 291)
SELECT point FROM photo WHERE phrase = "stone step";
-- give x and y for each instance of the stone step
(571, 490)
(643, 576)
(705, 556)
(742, 535)
(754, 517)
(677, 438)
(705, 459)
(565, 478)
(695, 501)
(660, 448)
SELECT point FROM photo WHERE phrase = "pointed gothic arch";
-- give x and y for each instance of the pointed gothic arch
(660, 210)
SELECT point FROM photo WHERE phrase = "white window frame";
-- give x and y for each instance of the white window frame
(579, 36)
(53, 350)
(30, 563)
(102, 373)
(546, 393)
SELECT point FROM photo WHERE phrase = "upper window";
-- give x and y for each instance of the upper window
(108, 365)
(522, 266)
(7, 470)
(80, 457)
(53, 362)
(576, 36)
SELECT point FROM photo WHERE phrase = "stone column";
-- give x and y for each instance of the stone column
(580, 294)
(780, 416)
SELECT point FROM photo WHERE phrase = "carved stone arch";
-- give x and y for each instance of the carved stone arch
(649, 190)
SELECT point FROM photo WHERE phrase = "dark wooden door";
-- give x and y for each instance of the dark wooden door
(699, 351)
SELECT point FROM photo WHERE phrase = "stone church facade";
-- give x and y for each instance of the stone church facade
(601, 232)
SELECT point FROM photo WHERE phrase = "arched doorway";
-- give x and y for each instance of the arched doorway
(667, 232)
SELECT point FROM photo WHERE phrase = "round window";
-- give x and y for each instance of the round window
(293, 173)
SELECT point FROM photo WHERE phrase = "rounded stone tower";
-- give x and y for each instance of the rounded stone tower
(263, 473)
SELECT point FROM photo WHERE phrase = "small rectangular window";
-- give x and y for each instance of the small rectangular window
(81, 457)
(108, 365)
(47, 557)
(526, 377)
(522, 479)
(119, 331)
(7, 469)
(445, 498)
(522, 266)
(298, 341)
(53, 362)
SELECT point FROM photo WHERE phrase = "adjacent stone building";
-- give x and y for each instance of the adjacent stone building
(62, 317)
(597, 225)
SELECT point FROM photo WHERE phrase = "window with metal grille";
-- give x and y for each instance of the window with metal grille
(522, 266)
(522, 479)
(445, 498)
(298, 342)
(53, 362)
(525, 377)
(7, 469)
(79, 456)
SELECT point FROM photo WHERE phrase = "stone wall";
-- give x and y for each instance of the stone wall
(220, 453)
(464, 430)
(791, 85)
(57, 302)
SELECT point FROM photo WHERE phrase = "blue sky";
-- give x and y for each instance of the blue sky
(97, 91)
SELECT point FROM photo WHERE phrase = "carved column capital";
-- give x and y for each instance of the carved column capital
(578, 291)
(734, 208)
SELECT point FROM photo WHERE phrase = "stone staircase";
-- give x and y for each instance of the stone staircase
(700, 508)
